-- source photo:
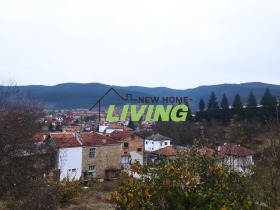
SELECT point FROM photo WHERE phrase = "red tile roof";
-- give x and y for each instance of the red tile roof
(166, 151)
(65, 140)
(234, 150)
(120, 134)
(94, 138)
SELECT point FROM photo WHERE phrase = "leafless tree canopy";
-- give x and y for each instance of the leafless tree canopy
(23, 161)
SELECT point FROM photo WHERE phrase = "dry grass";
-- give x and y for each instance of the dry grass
(93, 198)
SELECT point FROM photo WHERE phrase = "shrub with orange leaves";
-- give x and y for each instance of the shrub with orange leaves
(202, 183)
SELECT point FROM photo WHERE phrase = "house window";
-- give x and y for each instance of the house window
(91, 152)
(125, 153)
(125, 145)
(91, 167)
(132, 137)
(73, 170)
(139, 149)
(166, 143)
(146, 142)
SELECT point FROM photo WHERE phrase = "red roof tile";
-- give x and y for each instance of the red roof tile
(94, 138)
(65, 140)
(166, 151)
(234, 150)
(120, 134)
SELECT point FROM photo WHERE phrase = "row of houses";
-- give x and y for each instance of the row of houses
(102, 155)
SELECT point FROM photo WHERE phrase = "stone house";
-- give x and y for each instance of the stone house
(100, 154)
(132, 145)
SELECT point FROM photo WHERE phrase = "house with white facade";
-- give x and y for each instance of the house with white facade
(156, 142)
(236, 157)
(69, 155)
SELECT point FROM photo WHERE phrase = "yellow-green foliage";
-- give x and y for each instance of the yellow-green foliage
(190, 182)
(66, 189)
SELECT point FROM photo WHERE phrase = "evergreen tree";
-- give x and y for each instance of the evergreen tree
(225, 109)
(212, 103)
(224, 102)
(212, 107)
(201, 113)
(268, 102)
(237, 104)
(251, 109)
(237, 107)
(131, 124)
(201, 105)
(252, 101)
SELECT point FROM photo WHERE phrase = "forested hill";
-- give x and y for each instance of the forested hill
(77, 95)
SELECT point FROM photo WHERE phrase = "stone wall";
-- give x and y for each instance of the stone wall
(107, 156)
(134, 142)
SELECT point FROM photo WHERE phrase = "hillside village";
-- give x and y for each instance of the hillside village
(93, 151)
(217, 150)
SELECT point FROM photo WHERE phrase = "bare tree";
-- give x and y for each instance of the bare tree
(268, 164)
(23, 160)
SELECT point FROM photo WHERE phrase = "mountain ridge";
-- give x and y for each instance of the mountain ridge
(83, 95)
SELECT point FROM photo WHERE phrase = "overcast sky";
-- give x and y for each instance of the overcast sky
(177, 44)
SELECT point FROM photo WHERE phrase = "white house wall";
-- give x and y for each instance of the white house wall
(136, 157)
(70, 162)
(151, 145)
(241, 164)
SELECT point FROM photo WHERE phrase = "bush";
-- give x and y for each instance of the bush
(188, 182)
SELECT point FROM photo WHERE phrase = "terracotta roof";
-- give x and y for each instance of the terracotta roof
(158, 137)
(120, 134)
(166, 151)
(65, 140)
(94, 138)
(234, 150)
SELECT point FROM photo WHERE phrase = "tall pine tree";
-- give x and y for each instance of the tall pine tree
(225, 109)
(251, 109)
(237, 104)
(252, 101)
(212, 107)
(201, 113)
(224, 102)
(201, 105)
(237, 107)
(268, 102)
